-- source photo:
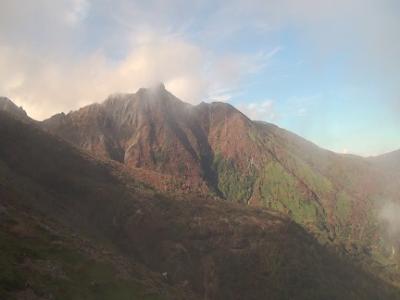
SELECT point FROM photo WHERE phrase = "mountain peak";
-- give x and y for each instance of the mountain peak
(10, 107)
(6, 102)
(157, 87)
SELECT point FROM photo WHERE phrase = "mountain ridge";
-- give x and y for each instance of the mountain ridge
(214, 149)
(142, 123)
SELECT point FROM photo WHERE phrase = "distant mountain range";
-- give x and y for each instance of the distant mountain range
(168, 185)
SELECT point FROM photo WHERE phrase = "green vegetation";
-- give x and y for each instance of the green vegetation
(315, 181)
(343, 207)
(280, 191)
(181, 168)
(235, 185)
(160, 158)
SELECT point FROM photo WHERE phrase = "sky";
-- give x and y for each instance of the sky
(328, 70)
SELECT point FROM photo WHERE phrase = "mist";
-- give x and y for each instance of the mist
(390, 216)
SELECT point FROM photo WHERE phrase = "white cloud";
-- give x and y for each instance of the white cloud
(49, 86)
(51, 60)
(44, 68)
(77, 12)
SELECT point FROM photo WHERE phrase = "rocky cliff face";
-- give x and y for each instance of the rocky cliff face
(151, 130)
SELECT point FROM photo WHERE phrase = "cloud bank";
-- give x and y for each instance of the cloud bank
(58, 55)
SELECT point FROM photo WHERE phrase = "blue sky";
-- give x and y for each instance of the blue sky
(326, 70)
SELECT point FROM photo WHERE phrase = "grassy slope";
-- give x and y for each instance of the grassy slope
(338, 198)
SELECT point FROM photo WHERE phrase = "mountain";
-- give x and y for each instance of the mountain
(154, 130)
(389, 161)
(214, 149)
(77, 227)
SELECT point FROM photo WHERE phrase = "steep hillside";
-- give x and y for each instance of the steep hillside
(151, 130)
(178, 247)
